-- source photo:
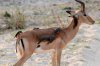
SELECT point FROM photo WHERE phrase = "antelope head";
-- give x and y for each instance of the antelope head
(81, 14)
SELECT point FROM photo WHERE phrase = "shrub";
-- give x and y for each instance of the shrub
(15, 21)
(7, 19)
(7, 15)
(19, 20)
(67, 8)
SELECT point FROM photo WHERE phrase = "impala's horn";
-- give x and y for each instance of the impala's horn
(82, 5)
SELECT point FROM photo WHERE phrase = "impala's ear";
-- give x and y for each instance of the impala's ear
(71, 12)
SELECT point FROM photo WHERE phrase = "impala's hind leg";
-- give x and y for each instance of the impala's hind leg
(29, 49)
(23, 60)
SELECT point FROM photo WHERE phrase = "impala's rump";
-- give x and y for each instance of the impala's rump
(17, 42)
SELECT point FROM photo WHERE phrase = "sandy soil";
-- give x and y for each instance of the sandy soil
(82, 51)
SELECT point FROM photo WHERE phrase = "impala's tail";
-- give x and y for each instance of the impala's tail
(19, 44)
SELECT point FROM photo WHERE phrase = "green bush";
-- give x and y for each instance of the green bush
(7, 19)
(67, 8)
(7, 15)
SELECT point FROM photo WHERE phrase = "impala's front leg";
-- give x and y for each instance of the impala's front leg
(56, 58)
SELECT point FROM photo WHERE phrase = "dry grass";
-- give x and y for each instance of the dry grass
(14, 19)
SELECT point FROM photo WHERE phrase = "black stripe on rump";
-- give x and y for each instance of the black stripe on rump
(16, 47)
(22, 44)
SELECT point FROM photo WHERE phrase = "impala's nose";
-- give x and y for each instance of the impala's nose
(93, 22)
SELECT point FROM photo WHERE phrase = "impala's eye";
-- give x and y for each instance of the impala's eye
(85, 15)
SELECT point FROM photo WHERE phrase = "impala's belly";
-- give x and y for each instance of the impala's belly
(40, 50)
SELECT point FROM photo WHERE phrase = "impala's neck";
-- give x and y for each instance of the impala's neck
(74, 24)
(72, 30)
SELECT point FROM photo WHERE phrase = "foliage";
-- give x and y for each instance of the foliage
(19, 19)
(7, 14)
(15, 21)
(67, 8)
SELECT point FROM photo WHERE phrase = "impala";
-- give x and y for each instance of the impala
(30, 38)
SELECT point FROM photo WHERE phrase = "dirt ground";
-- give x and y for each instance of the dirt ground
(82, 51)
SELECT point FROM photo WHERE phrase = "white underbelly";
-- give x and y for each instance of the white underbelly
(40, 50)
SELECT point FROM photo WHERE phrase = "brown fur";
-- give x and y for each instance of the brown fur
(66, 35)
(50, 37)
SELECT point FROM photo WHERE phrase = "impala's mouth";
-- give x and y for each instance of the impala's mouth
(93, 22)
